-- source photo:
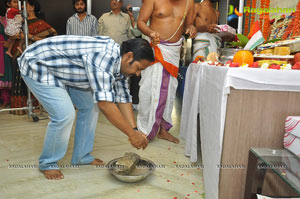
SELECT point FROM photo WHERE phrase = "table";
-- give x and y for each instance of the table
(225, 99)
(282, 162)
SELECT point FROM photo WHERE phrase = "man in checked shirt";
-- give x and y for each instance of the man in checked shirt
(55, 68)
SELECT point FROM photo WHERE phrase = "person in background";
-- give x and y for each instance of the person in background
(169, 21)
(206, 20)
(84, 25)
(14, 25)
(38, 29)
(135, 31)
(81, 23)
(5, 61)
(116, 24)
(97, 65)
(208, 38)
(134, 80)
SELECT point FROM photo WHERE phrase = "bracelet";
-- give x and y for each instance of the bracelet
(32, 38)
(135, 128)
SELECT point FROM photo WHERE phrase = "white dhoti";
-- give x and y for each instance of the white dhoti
(204, 43)
(158, 90)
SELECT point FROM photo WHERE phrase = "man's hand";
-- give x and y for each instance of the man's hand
(155, 38)
(213, 28)
(191, 31)
(138, 140)
(129, 10)
(226, 36)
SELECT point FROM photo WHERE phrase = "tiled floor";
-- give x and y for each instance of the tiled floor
(21, 143)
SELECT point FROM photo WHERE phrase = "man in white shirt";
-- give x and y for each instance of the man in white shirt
(115, 24)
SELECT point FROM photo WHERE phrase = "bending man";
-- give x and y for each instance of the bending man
(169, 20)
(52, 66)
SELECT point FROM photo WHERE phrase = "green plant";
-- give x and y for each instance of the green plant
(242, 41)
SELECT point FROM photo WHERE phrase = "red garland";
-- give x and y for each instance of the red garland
(247, 19)
(293, 28)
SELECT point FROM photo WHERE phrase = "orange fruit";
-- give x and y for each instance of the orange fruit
(243, 57)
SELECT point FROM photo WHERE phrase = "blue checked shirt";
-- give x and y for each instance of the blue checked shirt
(87, 27)
(78, 61)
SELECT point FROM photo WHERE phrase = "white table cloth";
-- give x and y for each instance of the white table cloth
(205, 92)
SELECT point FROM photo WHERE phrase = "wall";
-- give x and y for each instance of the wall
(282, 4)
(223, 9)
(57, 13)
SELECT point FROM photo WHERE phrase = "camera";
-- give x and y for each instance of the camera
(134, 9)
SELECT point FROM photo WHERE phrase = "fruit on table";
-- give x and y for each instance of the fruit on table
(271, 61)
(198, 58)
(212, 56)
(228, 62)
(296, 66)
(274, 66)
(297, 57)
(232, 64)
(254, 65)
(243, 57)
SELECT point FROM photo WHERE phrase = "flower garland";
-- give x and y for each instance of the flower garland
(261, 16)
(288, 31)
(274, 27)
(283, 28)
(293, 28)
(296, 28)
(266, 18)
(247, 18)
(252, 14)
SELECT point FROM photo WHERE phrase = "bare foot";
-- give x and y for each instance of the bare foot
(9, 54)
(20, 49)
(97, 162)
(53, 174)
(21, 112)
(37, 110)
(4, 105)
(165, 135)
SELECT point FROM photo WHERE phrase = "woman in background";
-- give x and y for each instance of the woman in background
(5, 60)
(38, 29)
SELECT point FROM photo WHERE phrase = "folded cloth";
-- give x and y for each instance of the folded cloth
(265, 197)
(226, 28)
(291, 139)
(205, 43)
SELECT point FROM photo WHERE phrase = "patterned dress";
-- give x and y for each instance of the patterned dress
(5, 66)
(39, 28)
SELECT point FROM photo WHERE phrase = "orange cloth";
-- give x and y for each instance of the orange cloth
(172, 69)
(254, 28)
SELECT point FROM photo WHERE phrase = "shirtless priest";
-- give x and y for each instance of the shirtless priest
(208, 38)
(169, 20)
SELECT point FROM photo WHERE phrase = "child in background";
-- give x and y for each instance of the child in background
(14, 25)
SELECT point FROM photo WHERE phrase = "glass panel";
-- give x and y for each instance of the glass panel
(282, 162)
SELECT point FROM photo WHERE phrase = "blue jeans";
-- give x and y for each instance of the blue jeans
(58, 103)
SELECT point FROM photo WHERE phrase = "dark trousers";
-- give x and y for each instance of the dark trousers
(134, 89)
